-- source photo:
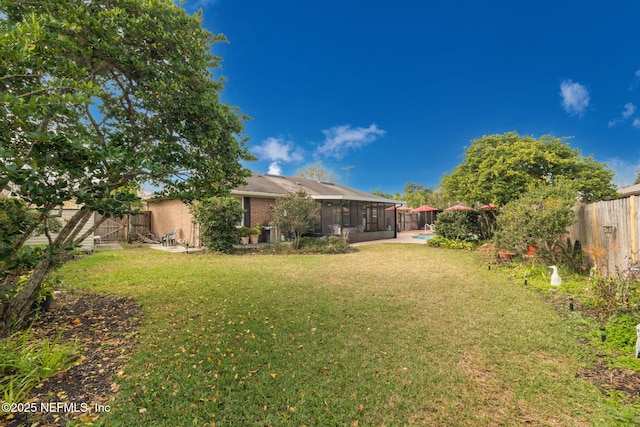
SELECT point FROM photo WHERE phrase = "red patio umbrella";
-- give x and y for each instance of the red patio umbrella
(425, 208)
(489, 207)
(399, 208)
(459, 208)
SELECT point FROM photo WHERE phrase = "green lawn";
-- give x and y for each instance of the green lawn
(390, 335)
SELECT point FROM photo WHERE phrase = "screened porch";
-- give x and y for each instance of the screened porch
(359, 220)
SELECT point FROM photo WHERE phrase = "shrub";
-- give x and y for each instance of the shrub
(538, 218)
(443, 242)
(619, 293)
(218, 217)
(311, 245)
(312, 242)
(458, 224)
(573, 257)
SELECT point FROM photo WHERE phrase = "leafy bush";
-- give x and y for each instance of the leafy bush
(619, 293)
(218, 217)
(443, 242)
(573, 257)
(458, 224)
(312, 242)
(311, 245)
(538, 218)
(27, 257)
(14, 220)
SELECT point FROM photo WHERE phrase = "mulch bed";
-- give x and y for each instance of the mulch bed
(105, 327)
(625, 381)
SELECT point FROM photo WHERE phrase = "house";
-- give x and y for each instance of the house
(633, 190)
(65, 213)
(345, 210)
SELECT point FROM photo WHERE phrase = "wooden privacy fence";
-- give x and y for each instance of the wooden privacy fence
(609, 232)
(120, 229)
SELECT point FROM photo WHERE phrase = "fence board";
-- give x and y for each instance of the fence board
(116, 229)
(615, 251)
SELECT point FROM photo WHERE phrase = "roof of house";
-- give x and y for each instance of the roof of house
(633, 190)
(265, 185)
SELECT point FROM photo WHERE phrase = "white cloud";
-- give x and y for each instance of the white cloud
(275, 169)
(575, 97)
(340, 139)
(197, 4)
(625, 171)
(278, 150)
(636, 123)
(629, 110)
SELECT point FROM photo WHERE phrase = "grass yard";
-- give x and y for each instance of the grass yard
(389, 335)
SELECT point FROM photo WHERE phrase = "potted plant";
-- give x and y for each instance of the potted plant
(244, 234)
(45, 295)
(254, 234)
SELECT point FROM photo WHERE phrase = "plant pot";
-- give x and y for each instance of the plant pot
(46, 304)
(244, 240)
(506, 255)
(254, 238)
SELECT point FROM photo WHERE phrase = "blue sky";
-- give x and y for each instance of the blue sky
(395, 91)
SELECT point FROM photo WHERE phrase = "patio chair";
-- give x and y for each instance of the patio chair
(169, 239)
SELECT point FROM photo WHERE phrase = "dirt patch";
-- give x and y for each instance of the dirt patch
(105, 327)
(626, 381)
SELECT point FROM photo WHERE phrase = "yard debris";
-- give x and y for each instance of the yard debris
(147, 239)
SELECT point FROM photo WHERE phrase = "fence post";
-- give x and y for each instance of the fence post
(595, 235)
(634, 228)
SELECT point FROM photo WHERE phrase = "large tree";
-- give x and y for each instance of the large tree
(97, 97)
(498, 168)
(317, 172)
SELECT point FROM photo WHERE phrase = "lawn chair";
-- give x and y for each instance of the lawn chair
(169, 239)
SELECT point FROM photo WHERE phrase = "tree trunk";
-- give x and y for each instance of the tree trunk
(15, 310)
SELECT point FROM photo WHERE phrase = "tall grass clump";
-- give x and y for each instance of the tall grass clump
(25, 361)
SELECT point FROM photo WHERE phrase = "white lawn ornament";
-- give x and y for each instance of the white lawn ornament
(638, 341)
(555, 277)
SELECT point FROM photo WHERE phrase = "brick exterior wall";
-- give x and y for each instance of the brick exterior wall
(168, 214)
(260, 211)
